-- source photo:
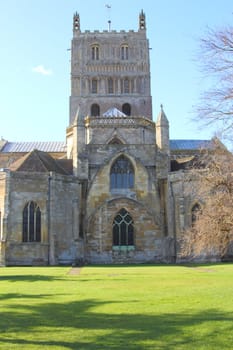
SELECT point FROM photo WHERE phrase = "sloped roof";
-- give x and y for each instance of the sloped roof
(60, 147)
(37, 161)
(190, 144)
(114, 112)
(30, 146)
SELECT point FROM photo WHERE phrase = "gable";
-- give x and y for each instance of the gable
(37, 161)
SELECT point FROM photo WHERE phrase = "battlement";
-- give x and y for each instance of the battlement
(104, 31)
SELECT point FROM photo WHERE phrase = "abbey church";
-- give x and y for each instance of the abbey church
(116, 191)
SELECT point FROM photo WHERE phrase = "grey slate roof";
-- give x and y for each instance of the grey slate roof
(30, 146)
(190, 144)
(60, 146)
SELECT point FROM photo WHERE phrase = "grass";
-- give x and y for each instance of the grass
(121, 307)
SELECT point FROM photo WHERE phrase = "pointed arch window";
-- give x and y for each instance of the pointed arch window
(95, 110)
(31, 222)
(124, 52)
(95, 52)
(122, 174)
(123, 229)
(126, 108)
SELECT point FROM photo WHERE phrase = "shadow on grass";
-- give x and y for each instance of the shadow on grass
(111, 331)
(7, 296)
(29, 278)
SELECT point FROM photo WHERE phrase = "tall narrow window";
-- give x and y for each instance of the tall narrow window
(125, 86)
(31, 223)
(126, 108)
(122, 229)
(95, 52)
(94, 84)
(95, 110)
(110, 86)
(122, 174)
(196, 211)
(124, 52)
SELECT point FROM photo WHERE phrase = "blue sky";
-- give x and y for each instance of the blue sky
(35, 60)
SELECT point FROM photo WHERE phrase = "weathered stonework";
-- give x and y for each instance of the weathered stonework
(110, 119)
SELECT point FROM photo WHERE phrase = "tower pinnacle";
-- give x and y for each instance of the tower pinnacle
(76, 22)
(142, 20)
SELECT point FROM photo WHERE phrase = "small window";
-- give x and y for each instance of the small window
(124, 52)
(31, 223)
(95, 110)
(110, 86)
(126, 108)
(122, 174)
(123, 230)
(94, 84)
(196, 211)
(95, 52)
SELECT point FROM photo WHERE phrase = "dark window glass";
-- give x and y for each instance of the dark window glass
(126, 108)
(31, 223)
(122, 174)
(95, 52)
(95, 110)
(123, 230)
(196, 211)
(124, 52)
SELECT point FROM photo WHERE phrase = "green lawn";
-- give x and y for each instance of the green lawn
(121, 307)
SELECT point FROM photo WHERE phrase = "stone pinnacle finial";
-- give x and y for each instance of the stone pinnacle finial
(142, 21)
(76, 22)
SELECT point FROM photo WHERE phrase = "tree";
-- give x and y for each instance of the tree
(211, 233)
(216, 57)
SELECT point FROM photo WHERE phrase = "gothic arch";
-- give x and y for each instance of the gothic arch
(31, 223)
(115, 141)
(123, 229)
(122, 173)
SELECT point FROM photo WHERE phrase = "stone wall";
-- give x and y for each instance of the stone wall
(58, 199)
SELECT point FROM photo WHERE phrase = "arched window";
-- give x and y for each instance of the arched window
(31, 223)
(95, 52)
(124, 52)
(195, 212)
(95, 110)
(122, 229)
(122, 174)
(126, 108)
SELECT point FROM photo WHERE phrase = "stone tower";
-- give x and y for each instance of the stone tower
(110, 69)
(112, 141)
